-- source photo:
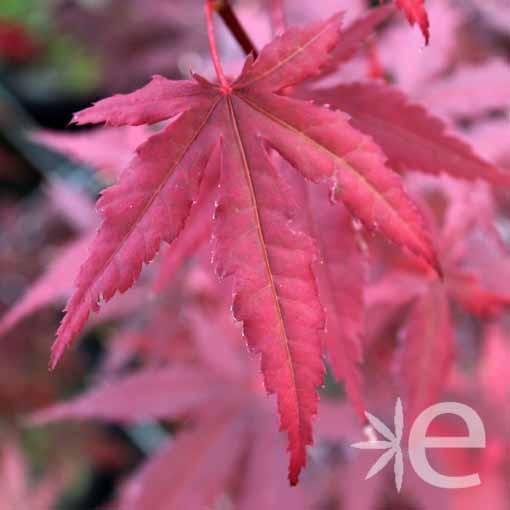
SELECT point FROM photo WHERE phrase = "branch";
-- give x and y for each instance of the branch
(225, 11)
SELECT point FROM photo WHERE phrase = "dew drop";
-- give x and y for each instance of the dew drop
(362, 245)
(334, 192)
(357, 225)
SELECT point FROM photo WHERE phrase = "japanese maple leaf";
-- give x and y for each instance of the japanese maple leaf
(16, 489)
(53, 285)
(426, 353)
(470, 253)
(464, 93)
(239, 428)
(401, 50)
(341, 278)
(228, 128)
(355, 35)
(411, 137)
(439, 78)
(105, 150)
(340, 275)
(416, 13)
(493, 367)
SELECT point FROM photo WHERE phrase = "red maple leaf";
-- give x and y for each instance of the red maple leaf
(218, 398)
(16, 484)
(249, 163)
(416, 13)
(471, 253)
(411, 137)
(106, 150)
(228, 128)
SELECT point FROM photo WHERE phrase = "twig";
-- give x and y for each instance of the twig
(226, 13)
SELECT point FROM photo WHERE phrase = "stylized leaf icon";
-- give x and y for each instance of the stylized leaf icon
(392, 445)
(380, 463)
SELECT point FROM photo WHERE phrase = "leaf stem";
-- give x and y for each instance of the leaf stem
(210, 7)
(277, 16)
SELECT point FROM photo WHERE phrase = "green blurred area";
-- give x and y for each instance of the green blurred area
(32, 13)
(62, 65)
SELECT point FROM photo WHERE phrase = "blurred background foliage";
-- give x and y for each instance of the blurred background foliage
(58, 61)
(57, 56)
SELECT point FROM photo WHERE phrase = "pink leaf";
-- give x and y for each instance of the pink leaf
(190, 472)
(150, 203)
(357, 33)
(352, 163)
(341, 276)
(274, 288)
(52, 286)
(160, 100)
(264, 483)
(426, 353)
(256, 240)
(296, 55)
(197, 233)
(106, 150)
(494, 366)
(411, 137)
(159, 393)
(416, 13)
(465, 92)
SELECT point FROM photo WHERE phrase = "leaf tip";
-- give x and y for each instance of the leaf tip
(56, 354)
(75, 119)
(294, 477)
(437, 267)
(57, 349)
